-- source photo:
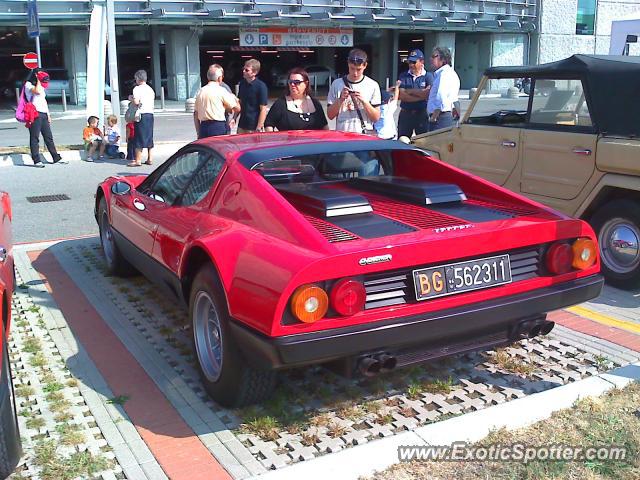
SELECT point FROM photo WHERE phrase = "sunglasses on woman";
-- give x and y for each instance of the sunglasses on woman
(356, 60)
(295, 82)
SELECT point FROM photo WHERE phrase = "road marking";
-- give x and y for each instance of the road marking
(605, 319)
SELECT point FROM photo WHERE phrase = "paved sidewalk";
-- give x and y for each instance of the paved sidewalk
(128, 351)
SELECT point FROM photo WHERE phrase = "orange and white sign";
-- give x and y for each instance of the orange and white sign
(296, 37)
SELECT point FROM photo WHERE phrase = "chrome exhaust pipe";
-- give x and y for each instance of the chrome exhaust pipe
(547, 327)
(387, 362)
(369, 367)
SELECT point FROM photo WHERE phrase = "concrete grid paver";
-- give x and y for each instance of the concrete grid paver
(180, 384)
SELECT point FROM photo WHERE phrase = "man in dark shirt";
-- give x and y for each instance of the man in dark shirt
(253, 97)
(414, 92)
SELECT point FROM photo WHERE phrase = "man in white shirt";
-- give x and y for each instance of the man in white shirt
(354, 100)
(213, 102)
(444, 91)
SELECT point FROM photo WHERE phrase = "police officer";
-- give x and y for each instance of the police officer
(414, 93)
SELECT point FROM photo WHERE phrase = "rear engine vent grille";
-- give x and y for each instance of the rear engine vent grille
(413, 215)
(396, 287)
(385, 289)
(329, 231)
(48, 198)
(515, 210)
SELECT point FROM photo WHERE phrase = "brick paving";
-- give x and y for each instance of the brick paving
(135, 344)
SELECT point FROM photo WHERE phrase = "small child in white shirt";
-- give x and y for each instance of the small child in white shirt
(112, 137)
(386, 126)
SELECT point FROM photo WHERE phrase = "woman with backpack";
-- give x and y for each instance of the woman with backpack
(41, 124)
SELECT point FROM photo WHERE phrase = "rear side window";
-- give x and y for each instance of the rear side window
(202, 181)
(559, 102)
(175, 179)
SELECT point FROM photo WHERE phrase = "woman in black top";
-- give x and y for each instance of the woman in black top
(297, 110)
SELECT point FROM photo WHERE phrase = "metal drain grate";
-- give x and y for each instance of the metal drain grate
(48, 198)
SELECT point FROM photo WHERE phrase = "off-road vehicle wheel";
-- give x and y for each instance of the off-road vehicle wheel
(617, 225)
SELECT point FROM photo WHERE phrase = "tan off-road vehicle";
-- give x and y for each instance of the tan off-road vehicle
(569, 138)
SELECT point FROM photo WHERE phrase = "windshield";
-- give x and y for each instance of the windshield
(519, 101)
(326, 166)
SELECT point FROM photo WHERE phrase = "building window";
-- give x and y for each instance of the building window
(586, 18)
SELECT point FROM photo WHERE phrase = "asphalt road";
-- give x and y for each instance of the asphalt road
(34, 222)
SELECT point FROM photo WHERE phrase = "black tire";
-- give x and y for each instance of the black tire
(10, 447)
(116, 263)
(617, 225)
(229, 379)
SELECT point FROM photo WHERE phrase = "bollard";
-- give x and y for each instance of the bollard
(107, 108)
(387, 84)
(64, 100)
(124, 104)
(190, 105)
(472, 92)
(162, 98)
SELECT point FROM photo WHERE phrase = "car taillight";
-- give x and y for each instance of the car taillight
(559, 258)
(585, 253)
(348, 296)
(309, 303)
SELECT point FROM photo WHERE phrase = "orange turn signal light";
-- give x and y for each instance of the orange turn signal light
(585, 253)
(309, 303)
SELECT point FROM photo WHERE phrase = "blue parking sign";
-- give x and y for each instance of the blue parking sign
(33, 22)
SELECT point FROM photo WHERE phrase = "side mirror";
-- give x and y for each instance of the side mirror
(120, 188)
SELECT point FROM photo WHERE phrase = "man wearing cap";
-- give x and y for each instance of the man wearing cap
(415, 85)
(37, 95)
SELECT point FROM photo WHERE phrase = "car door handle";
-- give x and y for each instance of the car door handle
(3, 255)
(509, 144)
(137, 203)
(582, 151)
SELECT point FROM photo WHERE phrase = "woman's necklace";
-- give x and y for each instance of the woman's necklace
(297, 104)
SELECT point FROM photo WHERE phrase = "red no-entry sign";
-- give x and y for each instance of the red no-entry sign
(30, 60)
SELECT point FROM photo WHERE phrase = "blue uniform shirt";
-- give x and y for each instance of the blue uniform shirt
(421, 81)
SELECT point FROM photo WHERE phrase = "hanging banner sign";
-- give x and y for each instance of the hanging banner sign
(296, 37)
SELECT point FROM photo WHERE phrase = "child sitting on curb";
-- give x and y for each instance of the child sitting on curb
(112, 137)
(93, 138)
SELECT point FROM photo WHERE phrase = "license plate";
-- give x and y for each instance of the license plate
(461, 277)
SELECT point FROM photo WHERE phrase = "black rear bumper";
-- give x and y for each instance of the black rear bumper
(454, 330)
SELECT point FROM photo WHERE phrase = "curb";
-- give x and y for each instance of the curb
(369, 458)
(20, 159)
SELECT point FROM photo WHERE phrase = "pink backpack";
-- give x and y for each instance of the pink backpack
(25, 112)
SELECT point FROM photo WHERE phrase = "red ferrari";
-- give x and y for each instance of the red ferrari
(10, 448)
(299, 248)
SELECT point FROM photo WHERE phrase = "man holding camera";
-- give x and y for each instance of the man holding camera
(354, 100)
